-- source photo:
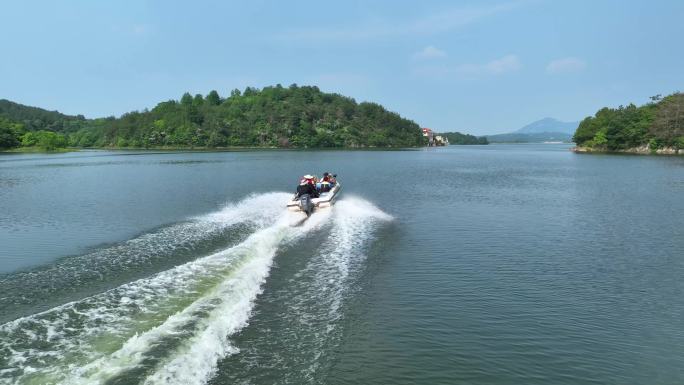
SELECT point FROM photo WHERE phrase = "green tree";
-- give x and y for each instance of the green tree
(29, 139)
(46, 140)
(213, 98)
(459, 138)
(10, 133)
(186, 99)
(668, 123)
(616, 129)
(298, 116)
(198, 100)
(679, 143)
(600, 138)
(8, 138)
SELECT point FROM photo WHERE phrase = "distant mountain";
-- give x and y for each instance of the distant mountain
(543, 130)
(541, 137)
(549, 125)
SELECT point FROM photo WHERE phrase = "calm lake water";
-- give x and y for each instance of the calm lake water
(500, 264)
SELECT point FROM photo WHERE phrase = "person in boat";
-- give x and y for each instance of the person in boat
(328, 182)
(307, 185)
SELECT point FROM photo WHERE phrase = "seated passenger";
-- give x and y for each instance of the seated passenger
(308, 178)
(325, 186)
(327, 177)
(307, 185)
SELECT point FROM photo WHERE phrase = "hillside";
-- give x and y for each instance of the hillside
(35, 119)
(657, 126)
(460, 138)
(20, 124)
(271, 117)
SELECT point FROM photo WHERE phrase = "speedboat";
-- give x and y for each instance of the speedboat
(307, 204)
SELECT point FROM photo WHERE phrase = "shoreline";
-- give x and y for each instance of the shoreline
(36, 150)
(641, 150)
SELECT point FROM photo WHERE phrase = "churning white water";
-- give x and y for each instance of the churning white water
(174, 326)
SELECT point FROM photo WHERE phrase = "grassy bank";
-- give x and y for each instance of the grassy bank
(35, 149)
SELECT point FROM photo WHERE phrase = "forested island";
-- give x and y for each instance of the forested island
(294, 116)
(655, 127)
(460, 138)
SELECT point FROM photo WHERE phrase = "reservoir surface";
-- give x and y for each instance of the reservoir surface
(498, 264)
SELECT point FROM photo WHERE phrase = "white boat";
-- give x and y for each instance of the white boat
(308, 205)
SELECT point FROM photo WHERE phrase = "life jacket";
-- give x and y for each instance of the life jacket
(304, 181)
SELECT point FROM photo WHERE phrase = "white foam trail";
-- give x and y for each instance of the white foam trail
(234, 295)
(326, 282)
(256, 208)
(254, 211)
(84, 330)
(198, 358)
(354, 220)
(191, 310)
(200, 353)
(226, 309)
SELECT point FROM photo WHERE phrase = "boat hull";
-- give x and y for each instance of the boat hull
(326, 199)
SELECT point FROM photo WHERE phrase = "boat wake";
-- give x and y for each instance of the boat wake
(173, 327)
(107, 267)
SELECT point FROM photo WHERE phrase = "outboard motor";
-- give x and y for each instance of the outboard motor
(306, 204)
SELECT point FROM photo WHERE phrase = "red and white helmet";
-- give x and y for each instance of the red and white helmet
(306, 179)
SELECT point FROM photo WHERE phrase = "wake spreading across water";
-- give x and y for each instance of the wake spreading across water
(295, 339)
(330, 272)
(174, 326)
(113, 265)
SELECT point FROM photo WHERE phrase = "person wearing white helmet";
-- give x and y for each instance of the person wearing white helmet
(307, 185)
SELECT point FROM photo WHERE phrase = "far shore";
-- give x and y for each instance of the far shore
(38, 150)
(641, 150)
(34, 150)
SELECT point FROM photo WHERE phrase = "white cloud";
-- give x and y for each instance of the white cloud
(508, 63)
(379, 28)
(457, 17)
(495, 67)
(567, 64)
(429, 52)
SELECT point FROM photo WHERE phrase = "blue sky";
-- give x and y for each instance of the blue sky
(473, 66)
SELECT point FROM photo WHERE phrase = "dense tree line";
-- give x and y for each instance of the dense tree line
(459, 138)
(270, 117)
(36, 119)
(22, 125)
(657, 124)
